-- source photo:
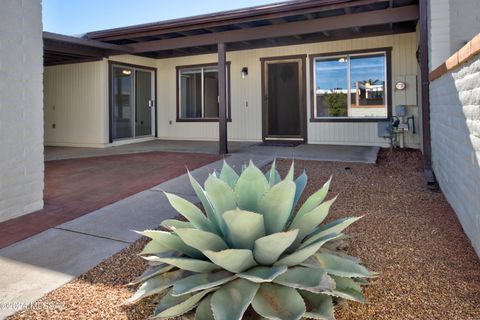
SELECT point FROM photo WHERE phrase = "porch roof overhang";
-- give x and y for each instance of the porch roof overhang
(285, 23)
(61, 49)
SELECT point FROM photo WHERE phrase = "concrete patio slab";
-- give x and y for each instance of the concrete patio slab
(33, 267)
(343, 153)
(61, 153)
(359, 154)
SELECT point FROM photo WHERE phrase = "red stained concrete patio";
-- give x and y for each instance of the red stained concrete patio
(76, 187)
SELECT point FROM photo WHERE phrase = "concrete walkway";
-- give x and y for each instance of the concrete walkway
(31, 268)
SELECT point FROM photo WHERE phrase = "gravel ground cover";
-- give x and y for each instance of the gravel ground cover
(428, 269)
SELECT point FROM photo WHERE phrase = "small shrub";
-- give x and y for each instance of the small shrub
(249, 249)
(337, 104)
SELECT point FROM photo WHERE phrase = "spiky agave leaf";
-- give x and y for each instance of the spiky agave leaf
(201, 281)
(233, 260)
(319, 306)
(347, 288)
(173, 306)
(274, 301)
(307, 223)
(231, 301)
(263, 274)
(310, 279)
(157, 284)
(228, 175)
(276, 206)
(268, 249)
(250, 188)
(250, 249)
(272, 175)
(342, 267)
(243, 228)
(335, 227)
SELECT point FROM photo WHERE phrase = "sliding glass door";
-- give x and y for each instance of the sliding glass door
(132, 105)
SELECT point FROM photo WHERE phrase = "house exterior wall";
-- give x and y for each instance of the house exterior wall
(89, 82)
(439, 32)
(451, 24)
(21, 113)
(464, 22)
(455, 128)
(75, 100)
(247, 121)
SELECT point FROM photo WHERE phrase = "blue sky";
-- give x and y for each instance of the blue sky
(74, 17)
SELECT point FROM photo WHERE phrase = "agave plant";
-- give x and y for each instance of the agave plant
(250, 249)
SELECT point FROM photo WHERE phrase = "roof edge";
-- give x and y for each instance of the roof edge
(216, 16)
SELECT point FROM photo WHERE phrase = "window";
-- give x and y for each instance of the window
(198, 93)
(350, 86)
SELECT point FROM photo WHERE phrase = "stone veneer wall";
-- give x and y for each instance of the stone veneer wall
(21, 108)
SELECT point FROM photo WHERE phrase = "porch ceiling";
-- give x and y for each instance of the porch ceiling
(61, 49)
(285, 23)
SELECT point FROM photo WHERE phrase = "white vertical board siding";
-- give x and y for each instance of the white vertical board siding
(75, 101)
(246, 122)
(167, 102)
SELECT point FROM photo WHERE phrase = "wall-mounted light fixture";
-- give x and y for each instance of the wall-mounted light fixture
(244, 72)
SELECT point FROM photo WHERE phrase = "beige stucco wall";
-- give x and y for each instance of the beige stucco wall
(84, 119)
(21, 112)
(247, 121)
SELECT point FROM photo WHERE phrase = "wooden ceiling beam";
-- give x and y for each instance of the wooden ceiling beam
(390, 5)
(313, 38)
(370, 18)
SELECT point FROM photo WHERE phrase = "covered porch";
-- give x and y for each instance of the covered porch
(246, 52)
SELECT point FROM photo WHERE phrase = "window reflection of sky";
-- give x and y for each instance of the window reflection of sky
(332, 74)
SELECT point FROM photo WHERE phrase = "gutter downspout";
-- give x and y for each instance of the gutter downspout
(425, 85)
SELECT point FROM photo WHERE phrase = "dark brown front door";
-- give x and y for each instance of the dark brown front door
(283, 99)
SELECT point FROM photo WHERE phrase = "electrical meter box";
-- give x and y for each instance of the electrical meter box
(401, 111)
(384, 129)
